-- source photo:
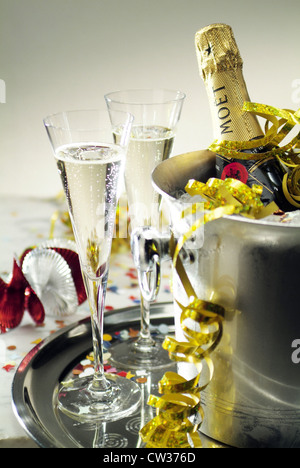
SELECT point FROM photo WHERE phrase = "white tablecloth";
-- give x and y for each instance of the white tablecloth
(26, 222)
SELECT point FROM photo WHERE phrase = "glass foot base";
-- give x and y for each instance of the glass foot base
(128, 355)
(79, 401)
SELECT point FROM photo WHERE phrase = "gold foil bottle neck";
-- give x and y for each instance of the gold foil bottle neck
(217, 50)
(221, 68)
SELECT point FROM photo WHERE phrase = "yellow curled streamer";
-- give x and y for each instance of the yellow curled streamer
(291, 187)
(172, 428)
(279, 123)
(283, 119)
(223, 198)
(179, 412)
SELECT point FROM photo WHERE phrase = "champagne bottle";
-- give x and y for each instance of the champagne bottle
(221, 68)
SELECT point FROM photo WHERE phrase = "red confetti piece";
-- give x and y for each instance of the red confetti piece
(133, 298)
(8, 367)
(108, 307)
(132, 275)
(61, 325)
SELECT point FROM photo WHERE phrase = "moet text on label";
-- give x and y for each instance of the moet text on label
(223, 111)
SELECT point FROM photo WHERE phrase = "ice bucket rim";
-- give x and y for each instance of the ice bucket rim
(179, 165)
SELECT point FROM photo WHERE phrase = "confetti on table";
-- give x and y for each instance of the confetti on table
(9, 366)
(141, 380)
(129, 375)
(86, 366)
(133, 333)
(113, 289)
(60, 323)
(163, 328)
(106, 357)
(87, 372)
(135, 299)
(124, 335)
(85, 362)
(38, 341)
(107, 337)
(132, 275)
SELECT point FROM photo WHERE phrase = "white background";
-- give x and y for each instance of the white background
(66, 54)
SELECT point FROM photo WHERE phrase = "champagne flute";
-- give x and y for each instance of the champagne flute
(156, 114)
(91, 164)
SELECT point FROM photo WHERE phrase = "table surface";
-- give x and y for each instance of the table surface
(25, 222)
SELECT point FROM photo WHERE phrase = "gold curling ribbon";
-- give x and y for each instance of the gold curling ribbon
(279, 123)
(291, 187)
(179, 411)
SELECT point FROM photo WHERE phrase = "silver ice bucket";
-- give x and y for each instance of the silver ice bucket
(254, 397)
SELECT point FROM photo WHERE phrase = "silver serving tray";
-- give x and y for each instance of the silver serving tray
(50, 362)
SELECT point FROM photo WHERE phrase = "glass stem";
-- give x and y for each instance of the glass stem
(96, 292)
(145, 340)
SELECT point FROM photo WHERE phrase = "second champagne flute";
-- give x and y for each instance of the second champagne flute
(156, 114)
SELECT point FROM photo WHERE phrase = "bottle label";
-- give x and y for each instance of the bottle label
(227, 93)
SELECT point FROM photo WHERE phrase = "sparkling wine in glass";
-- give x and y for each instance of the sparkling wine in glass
(91, 164)
(156, 114)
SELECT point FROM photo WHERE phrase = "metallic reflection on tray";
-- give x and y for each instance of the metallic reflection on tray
(52, 361)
